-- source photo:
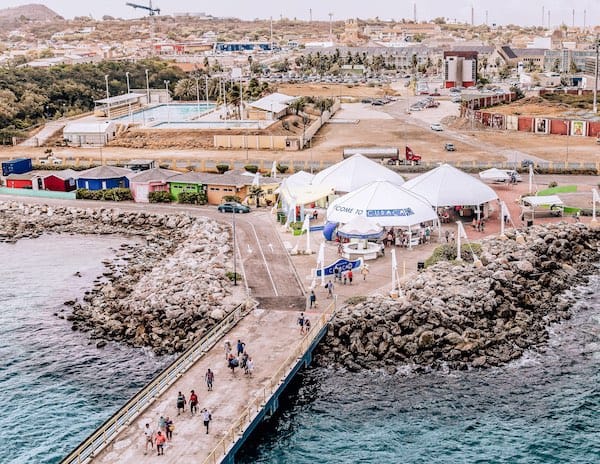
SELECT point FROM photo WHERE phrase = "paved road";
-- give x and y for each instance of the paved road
(425, 118)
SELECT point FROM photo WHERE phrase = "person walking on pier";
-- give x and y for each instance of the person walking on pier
(162, 424)
(364, 270)
(232, 362)
(169, 428)
(329, 286)
(240, 347)
(193, 402)
(209, 377)
(149, 438)
(160, 443)
(207, 418)
(180, 403)
(227, 348)
(313, 299)
(301, 323)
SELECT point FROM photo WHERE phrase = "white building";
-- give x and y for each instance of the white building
(90, 133)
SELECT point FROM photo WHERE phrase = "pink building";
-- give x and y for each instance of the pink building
(152, 180)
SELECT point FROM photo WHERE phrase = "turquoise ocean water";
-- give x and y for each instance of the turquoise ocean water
(55, 386)
(544, 408)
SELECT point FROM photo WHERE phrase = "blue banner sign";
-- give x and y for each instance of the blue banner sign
(342, 265)
(390, 212)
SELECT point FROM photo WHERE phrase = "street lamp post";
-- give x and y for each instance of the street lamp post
(147, 88)
(596, 78)
(567, 154)
(107, 96)
(234, 247)
(128, 92)
(206, 85)
(197, 97)
(168, 108)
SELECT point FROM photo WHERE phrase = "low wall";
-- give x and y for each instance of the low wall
(37, 193)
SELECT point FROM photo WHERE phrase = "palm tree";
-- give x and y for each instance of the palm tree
(185, 89)
(298, 105)
(256, 192)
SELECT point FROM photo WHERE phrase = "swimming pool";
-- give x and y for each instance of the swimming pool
(173, 112)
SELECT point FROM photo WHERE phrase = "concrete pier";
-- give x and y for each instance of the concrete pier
(274, 343)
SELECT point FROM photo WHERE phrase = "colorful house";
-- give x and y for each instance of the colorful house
(234, 183)
(61, 181)
(190, 182)
(151, 180)
(27, 180)
(104, 177)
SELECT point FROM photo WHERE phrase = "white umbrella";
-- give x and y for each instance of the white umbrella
(494, 174)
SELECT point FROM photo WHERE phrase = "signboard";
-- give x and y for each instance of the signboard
(542, 126)
(342, 265)
(390, 212)
(578, 127)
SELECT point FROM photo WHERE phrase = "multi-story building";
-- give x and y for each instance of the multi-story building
(460, 69)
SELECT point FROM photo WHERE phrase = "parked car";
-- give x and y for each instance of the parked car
(436, 127)
(456, 99)
(232, 207)
(526, 163)
(449, 147)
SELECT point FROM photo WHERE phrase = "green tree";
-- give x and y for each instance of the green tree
(185, 89)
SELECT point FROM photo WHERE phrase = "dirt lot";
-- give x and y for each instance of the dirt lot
(335, 90)
(536, 106)
(378, 126)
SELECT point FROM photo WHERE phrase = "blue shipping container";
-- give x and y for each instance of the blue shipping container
(16, 166)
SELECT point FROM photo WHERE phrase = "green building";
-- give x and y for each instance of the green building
(190, 182)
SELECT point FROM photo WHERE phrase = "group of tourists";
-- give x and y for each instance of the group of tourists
(242, 360)
(304, 323)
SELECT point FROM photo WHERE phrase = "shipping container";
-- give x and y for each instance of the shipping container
(16, 166)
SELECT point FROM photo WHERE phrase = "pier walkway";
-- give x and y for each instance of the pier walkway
(274, 343)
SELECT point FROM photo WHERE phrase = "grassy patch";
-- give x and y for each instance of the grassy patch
(559, 189)
(448, 253)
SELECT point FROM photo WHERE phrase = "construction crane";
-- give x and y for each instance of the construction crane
(151, 11)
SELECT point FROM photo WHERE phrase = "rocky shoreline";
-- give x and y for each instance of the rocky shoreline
(459, 316)
(164, 289)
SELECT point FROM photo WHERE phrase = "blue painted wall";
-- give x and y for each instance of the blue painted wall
(101, 184)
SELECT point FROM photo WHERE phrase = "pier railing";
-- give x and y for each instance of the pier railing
(255, 406)
(138, 404)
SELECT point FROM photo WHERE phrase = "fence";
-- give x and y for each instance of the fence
(138, 404)
(275, 382)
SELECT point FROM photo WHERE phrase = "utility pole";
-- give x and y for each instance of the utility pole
(107, 95)
(596, 78)
(548, 19)
(584, 19)
(310, 14)
(573, 14)
(415, 12)
(330, 27)
(147, 89)
(271, 34)
(472, 16)
(543, 15)
(486, 17)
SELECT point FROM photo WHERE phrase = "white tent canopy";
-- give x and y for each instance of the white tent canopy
(542, 200)
(353, 173)
(494, 174)
(297, 189)
(448, 186)
(384, 204)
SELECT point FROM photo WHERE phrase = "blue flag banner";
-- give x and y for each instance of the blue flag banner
(390, 212)
(342, 265)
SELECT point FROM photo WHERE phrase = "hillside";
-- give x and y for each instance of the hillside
(33, 12)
